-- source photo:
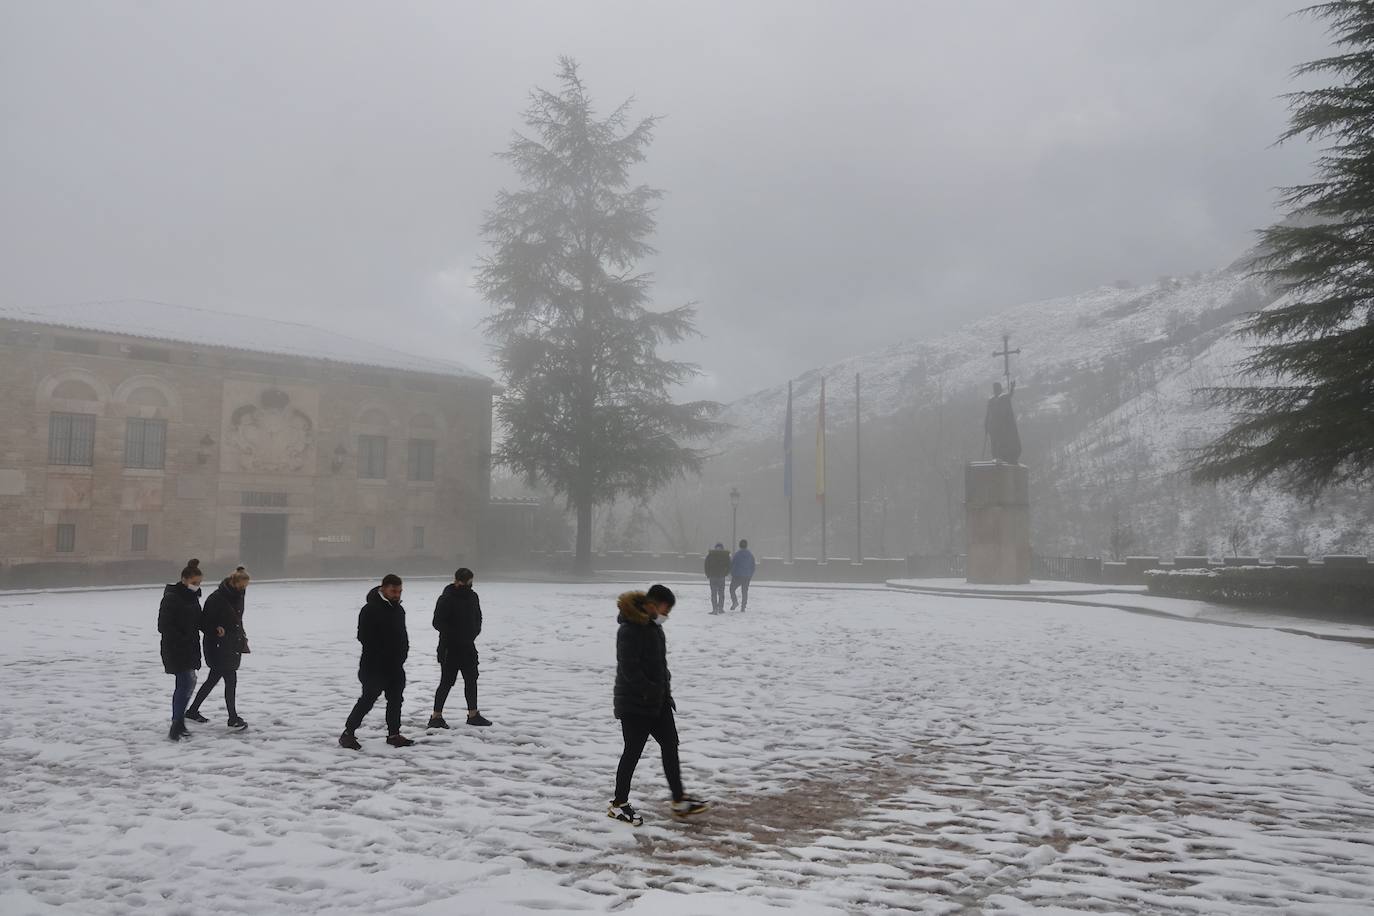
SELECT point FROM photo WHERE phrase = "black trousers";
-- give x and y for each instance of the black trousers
(449, 669)
(373, 687)
(637, 730)
(231, 686)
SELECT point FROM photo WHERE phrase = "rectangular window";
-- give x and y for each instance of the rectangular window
(259, 499)
(66, 538)
(369, 537)
(71, 439)
(421, 459)
(149, 354)
(372, 457)
(139, 541)
(417, 538)
(145, 443)
(259, 366)
(371, 379)
(76, 345)
(420, 384)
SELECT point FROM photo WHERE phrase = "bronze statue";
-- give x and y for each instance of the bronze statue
(1000, 425)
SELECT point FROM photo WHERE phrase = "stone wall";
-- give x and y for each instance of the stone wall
(283, 431)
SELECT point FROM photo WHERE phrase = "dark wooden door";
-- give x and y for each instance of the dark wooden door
(262, 543)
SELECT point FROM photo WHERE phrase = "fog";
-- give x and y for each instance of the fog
(915, 164)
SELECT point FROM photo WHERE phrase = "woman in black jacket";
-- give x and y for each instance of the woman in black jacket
(225, 642)
(178, 621)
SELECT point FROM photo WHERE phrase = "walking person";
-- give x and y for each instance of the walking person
(178, 620)
(225, 644)
(458, 618)
(644, 699)
(381, 667)
(742, 568)
(717, 568)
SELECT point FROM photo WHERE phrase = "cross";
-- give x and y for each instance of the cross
(1006, 353)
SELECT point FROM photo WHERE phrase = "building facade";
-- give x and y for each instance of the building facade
(136, 435)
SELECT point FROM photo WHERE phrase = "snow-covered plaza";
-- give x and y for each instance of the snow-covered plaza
(867, 751)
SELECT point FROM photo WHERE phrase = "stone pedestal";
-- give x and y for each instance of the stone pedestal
(997, 512)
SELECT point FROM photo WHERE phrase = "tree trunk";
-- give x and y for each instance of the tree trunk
(582, 557)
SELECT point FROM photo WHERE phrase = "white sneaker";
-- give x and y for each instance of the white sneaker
(686, 807)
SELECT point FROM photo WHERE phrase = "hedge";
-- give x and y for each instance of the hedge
(1293, 588)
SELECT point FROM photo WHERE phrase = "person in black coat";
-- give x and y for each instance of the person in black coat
(643, 698)
(717, 568)
(381, 667)
(225, 642)
(458, 618)
(178, 620)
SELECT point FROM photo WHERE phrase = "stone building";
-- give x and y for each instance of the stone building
(134, 435)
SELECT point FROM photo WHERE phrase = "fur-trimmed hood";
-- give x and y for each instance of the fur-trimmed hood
(630, 608)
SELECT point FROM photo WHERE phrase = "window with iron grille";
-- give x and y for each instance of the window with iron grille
(258, 499)
(372, 456)
(139, 540)
(417, 538)
(71, 439)
(421, 459)
(145, 443)
(66, 538)
(369, 537)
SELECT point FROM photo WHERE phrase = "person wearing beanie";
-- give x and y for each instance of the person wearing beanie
(178, 620)
(717, 568)
(742, 568)
(458, 618)
(225, 643)
(381, 667)
(644, 699)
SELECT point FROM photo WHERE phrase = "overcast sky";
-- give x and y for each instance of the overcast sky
(838, 175)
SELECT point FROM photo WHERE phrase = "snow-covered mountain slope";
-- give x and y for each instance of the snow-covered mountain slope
(1140, 450)
(1109, 410)
(1057, 337)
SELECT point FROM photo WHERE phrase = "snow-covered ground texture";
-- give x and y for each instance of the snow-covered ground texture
(867, 752)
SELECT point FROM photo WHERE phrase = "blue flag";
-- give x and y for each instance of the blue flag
(787, 448)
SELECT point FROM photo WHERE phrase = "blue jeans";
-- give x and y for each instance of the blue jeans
(717, 594)
(181, 695)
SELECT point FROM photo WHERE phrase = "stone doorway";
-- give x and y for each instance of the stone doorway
(262, 543)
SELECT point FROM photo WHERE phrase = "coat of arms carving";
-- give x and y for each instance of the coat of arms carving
(270, 436)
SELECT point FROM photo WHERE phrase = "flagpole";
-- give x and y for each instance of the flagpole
(858, 481)
(820, 465)
(790, 555)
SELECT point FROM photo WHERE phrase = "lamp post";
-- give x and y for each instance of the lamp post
(734, 516)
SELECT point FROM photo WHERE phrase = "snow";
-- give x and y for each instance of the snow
(1136, 598)
(203, 328)
(869, 751)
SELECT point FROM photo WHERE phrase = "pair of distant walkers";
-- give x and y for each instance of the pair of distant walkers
(740, 568)
(181, 620)
(386, 645)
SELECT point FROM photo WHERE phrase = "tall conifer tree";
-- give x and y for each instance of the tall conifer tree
(586, 409)
(1308, 419)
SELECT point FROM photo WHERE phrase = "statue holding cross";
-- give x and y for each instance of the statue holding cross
(1006, 353)
(999, 423)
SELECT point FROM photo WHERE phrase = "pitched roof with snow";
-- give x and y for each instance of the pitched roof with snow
(203, 328)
